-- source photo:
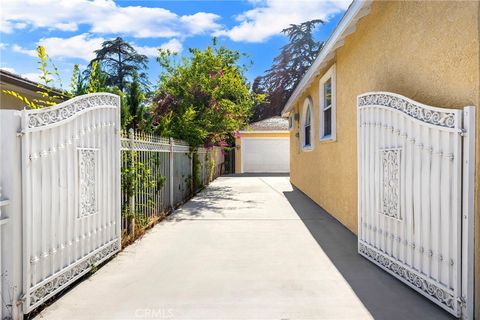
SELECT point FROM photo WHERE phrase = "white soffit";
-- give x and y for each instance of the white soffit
(346, 26)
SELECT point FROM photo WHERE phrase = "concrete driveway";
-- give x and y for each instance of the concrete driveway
(248, 247)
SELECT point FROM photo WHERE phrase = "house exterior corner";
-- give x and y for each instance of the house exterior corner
(426, 51)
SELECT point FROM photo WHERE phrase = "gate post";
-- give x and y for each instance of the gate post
(192, 183)
(468, 214)
(171, 172)
(131, 201)
(11, 223)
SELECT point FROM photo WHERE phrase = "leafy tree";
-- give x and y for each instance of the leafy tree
(120, 61)
(259, 106)
(202, 98)
(135, 99)
(77, 83)
(125, 116)
(257, 86)
(289, 67)
(93, 80)
(97, 80)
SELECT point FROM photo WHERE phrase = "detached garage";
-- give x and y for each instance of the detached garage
(264, 147)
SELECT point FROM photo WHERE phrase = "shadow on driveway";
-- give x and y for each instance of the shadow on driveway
(211, 200)
(266, 174)
(384, 296)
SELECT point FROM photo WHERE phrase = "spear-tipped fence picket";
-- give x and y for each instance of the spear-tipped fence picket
(157, 176)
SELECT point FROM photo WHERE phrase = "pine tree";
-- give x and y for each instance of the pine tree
(258, 107)
(290, 65)
(120, 61)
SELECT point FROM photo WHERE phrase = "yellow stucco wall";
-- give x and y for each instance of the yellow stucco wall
(257, 134)
(9, 102)
(427, 51)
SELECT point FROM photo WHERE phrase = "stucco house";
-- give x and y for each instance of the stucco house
(25, 87)
(363, 112)
(264, 146)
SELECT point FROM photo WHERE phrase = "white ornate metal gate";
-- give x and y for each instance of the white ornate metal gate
(410, 221)
(71, 192)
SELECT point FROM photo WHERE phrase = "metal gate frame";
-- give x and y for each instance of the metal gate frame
(3, 222)
(468, 212)
(464, 304)
(51, 117)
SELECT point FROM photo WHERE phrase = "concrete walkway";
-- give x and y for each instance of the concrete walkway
(248, 247)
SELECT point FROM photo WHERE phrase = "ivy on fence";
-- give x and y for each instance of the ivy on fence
(138, 179)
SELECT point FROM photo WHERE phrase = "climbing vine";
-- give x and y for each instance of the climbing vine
(139, 180)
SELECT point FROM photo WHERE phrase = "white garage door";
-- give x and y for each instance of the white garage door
(266, 155)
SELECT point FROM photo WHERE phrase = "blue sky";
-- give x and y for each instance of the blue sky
(71, 29)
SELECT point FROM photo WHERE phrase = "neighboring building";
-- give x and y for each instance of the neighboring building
(263, 147)
(428, 52)
(25, 87)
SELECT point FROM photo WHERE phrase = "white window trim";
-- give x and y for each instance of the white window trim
(307, 104)
(329, 74)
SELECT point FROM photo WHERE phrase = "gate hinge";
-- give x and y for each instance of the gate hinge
(461, 301)
(463, 132)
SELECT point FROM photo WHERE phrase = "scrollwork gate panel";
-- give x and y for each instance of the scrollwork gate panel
(71, 192)
(410, 193)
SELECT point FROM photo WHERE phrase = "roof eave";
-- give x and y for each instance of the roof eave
(346, 26)
(17, 80)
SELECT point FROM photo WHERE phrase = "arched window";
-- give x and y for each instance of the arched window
(307, 137)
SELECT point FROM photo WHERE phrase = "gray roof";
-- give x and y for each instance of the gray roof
(270, 124)
(18, 80)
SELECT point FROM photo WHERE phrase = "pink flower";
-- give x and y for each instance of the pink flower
(236, 134)
(220, 72)
(212, 73)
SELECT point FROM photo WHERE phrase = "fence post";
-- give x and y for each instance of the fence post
(171, 172)
(131, 201)
(192, 184)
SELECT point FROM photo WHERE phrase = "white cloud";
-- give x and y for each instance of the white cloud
(200, 22)
(3, 45)
(272, 16)
(68, 26)
(28, 52)
(173, 45)
(20, 25)
(146, 50)
(5, 26)
(81, 46)
(104, 17)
